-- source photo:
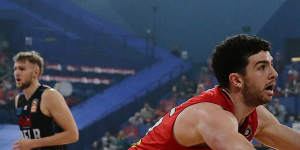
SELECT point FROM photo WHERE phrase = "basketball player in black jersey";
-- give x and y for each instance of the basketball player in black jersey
(40, 108)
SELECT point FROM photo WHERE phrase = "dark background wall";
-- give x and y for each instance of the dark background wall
(197, 26)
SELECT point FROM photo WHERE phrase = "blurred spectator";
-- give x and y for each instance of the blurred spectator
(7, 84)
(204, 72)
(270, 108)
(279, 110)
(2, 96)
(181, 87)
(291, 119)
(174, 92)
(122, 141)
(132, 132)
(277, 91)
(191, 89)
(278, 64)
(147, 113)
(11, 94)
(159, 114)
(108, 141)
(200, 88)
(3, 57)
(186, 88)
(136, 120)
(95, 146)
(184, 55)
(292, 82)
(176, 50)
(288, 90)
(167, 105)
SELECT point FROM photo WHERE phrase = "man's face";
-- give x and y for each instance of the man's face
(259, 81)
(24, 73)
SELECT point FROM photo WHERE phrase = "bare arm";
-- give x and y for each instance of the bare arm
(270, 132)
(211, 125)
(16, 101)
(57, 108)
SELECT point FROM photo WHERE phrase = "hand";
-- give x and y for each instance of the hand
(22, 144)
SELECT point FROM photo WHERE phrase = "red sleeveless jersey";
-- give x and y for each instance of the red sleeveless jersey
(160, 136)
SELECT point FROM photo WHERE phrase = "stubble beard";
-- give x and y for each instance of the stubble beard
(253, 96)
(26, 84)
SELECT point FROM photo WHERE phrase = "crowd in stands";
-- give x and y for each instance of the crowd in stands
(7, 91)
(180, 53)
(110, 142)
(76, 83)
(278, 110)
(138, 124)
(292, 86)
(7, 86)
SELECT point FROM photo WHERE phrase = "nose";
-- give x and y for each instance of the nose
(273, 74)
(16, 72)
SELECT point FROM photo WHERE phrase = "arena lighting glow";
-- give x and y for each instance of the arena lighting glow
(295, 59)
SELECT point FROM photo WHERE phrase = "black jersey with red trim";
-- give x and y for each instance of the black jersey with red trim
(32, 122)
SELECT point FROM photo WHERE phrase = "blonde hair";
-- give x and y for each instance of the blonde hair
(31, 56)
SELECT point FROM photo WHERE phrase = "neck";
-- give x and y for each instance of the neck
(240, 108)
(31, 89)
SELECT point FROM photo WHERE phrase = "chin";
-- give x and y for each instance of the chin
(18, 86)
(267, 100)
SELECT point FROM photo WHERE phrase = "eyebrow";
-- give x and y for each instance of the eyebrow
(263, 62)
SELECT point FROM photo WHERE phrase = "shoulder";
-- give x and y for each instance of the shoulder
(206, 114)
(50, 95)
(210, 111)
(201, 121)
(264, 114)
(52, 101)
(212, 95)
(50, 92)
(265, 118)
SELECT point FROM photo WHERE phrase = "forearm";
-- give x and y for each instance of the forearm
(283, 138)
(237, 142)
(290, 139)
(61, 138)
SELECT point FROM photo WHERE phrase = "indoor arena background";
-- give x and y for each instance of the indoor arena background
(121, 64)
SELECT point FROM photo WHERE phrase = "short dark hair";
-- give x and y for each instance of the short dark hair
(231, 55)
(31, 56)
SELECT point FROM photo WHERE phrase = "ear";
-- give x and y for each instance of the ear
(236, 80)
(36, 71)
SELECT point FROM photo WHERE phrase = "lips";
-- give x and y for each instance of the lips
(270, 92)
(270, 88)
(18, 79)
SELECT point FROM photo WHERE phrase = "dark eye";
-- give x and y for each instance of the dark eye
(262, 67)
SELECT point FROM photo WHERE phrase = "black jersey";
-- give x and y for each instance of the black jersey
(32, 122)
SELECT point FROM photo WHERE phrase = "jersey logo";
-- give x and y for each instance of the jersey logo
(25, 121)
(34, 105)
(137, 143)
(19, 111)
(25, 107)
(248, 132)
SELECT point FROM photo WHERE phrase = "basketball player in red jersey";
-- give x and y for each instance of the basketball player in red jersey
(228, 116)
(40, 108)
